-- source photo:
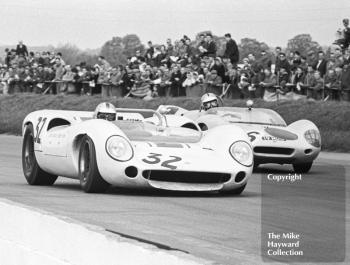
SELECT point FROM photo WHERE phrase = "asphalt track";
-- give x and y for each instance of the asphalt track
(223, 229)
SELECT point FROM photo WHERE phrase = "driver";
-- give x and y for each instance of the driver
(208, 101)
(105, 111)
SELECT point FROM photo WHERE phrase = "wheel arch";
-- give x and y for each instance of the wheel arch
(25, 124)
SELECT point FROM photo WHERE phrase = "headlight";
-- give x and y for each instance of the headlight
(119, 148)
(242, 153)
(313, 137)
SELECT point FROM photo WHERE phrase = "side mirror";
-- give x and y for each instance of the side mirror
(249, 104)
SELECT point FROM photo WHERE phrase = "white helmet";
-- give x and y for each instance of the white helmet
(106, 111)
(208, 101)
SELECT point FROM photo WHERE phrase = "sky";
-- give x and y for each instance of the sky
(89, 24)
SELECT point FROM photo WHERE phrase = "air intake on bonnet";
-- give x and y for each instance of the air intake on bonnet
(273, 150)
(186, 176)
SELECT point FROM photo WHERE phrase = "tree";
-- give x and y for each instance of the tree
(303, 43)
(117, 50)
(73, 55)
(112, 50)
(131, 43)
(252, 46)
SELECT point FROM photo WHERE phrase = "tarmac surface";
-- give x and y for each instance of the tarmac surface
(224, 229)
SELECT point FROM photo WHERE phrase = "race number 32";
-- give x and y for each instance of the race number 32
(154, 158)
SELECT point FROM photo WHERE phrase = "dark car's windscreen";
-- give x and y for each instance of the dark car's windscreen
(253, 116)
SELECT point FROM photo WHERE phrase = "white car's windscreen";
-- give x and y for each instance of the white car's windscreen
(143, 131)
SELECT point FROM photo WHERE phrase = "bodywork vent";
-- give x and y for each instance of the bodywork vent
(273, 150)
(186, 176)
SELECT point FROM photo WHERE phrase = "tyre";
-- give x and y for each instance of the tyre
(302, 167)
(236, 191)
(31, 170)
(89, 176)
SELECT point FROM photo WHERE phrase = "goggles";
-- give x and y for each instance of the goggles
(211, 104)
(106, 116)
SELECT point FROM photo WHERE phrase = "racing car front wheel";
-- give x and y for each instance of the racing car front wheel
(236, 191)
(302, 167)
(31, 169)
(89, 176)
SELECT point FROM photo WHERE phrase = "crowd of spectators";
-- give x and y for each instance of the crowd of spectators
(183, 68)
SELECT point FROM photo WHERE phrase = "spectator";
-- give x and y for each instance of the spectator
(243, 84)
(104, 64)
(332, 85)
(211, 46)
(282, 63)
(343, 35)
(299, 80)
(28, 80)
(214, 83)
(21, 49)
(4, 76)
(265, 60)
(165, 83)
(20, 84)
(142, 86)
(169, 48)
(321, 65)
(246, 65)
(290, 57)
(202, 45)
(176, 84)
(283, 79)
(39, 79)
(345, 82)
(59, 70)
(268, 82)
(316, 87)
(309, 77)
(254, 64)
(11, 80)
(346, 58)
(8, 56)
(104, 81)
(139, 57)
(311, 58)
(278, 50)
(219, 67)
(85, 77)
(231, 49)
(149, 53)
(296, 61)
(178, 70)
(191, 50)
(67, 85)
(116, 81)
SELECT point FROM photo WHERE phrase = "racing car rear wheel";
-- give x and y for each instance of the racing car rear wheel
(302, 167)
(236, 191)
(32, 171)
(90, 178)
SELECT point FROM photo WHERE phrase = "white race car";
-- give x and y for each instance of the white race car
(131, 152)
(273, 141)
